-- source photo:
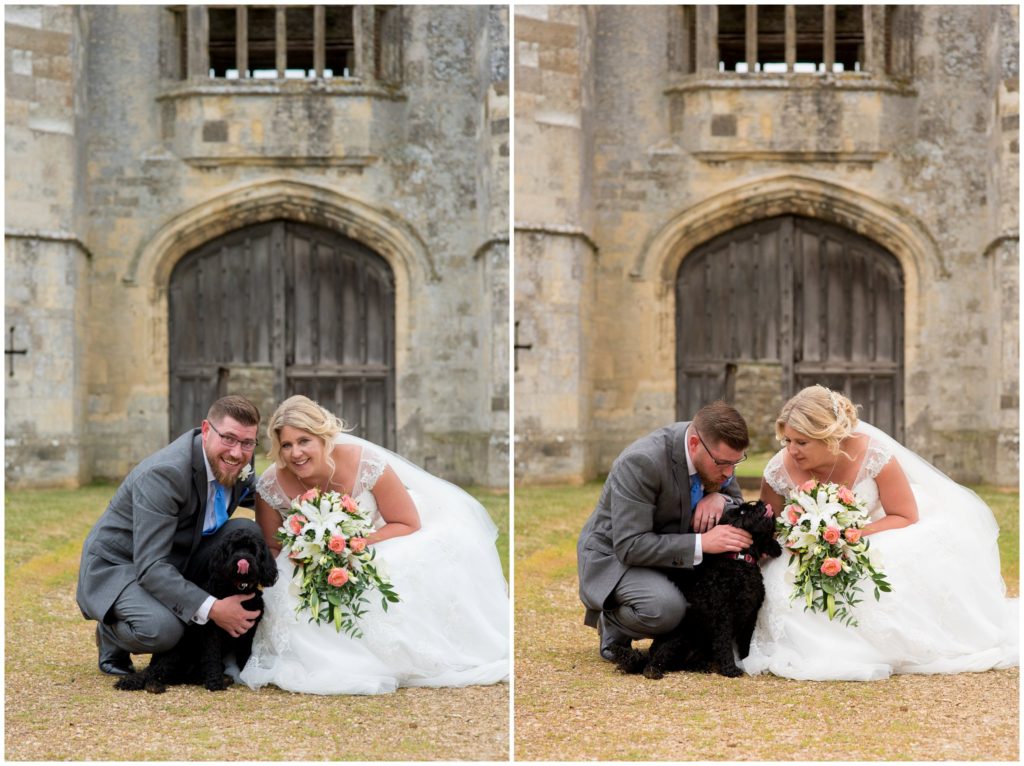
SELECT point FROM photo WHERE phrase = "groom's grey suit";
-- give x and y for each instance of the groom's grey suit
(136, 560)
(641, 524)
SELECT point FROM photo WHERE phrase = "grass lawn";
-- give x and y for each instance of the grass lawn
(571, 705)
(58, 706)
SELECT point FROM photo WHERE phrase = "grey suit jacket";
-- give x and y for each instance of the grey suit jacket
(642, 518)
(150, 530)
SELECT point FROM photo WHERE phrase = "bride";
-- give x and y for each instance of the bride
(450, 627)
(934, 540)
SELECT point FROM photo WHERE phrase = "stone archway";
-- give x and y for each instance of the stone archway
(808, 302)
(375, 228)
(889, 226)
(283, 308)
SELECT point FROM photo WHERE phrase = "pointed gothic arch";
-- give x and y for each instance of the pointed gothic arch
(378, 232)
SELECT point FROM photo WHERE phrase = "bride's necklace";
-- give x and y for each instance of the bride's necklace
(826, 480)
(317, 485)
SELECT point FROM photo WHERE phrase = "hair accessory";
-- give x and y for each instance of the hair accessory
(835, 401)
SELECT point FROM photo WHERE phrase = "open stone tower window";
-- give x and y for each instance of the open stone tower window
(258, 42)
(784, 39)
(244, 41)
(754, 38)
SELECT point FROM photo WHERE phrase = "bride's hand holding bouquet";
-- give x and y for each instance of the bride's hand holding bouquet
(326, 538)
(822, 527)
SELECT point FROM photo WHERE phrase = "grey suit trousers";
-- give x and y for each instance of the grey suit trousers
(139, 623)
(646, 604)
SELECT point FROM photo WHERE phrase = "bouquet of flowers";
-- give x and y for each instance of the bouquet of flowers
(820, 526)
(325, 537)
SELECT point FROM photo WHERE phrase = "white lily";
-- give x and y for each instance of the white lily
(307, 549)
(322, 519)
(819, 510)
(353, 527)
(801, 540)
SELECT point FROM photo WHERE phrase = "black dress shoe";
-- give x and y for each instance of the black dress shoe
(610, 640)
(113, 662)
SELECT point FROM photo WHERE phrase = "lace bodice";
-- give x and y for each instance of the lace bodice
(371, 465)
(864, 486)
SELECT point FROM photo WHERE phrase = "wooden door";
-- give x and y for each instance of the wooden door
(279, 309)
(810, 301)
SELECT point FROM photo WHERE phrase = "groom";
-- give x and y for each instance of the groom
(659, 510)
(161, 525)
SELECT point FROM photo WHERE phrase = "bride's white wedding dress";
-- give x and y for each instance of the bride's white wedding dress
(947, 612)
(450, 627)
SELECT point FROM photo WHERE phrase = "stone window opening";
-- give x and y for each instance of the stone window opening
(787, 38)
(791, 39)
(296, 42)
(246, 42)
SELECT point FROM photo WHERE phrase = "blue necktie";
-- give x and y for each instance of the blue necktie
(696, 490)
(220, 508)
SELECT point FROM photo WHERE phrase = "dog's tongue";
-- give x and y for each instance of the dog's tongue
(768, 509)
(243, 566)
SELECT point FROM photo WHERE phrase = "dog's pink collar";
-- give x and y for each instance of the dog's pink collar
(745, 557)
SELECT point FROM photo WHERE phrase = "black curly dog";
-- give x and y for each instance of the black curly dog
(723, 596)
(241, 563)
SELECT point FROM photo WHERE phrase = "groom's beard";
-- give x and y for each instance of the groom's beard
(712, 486)
(227, 480)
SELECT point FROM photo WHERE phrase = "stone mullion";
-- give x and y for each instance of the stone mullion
(198, 42)
(874, 39)
(319, 40)
(364, 19)
(242, 40)
(751, 42)
(790, 38)
(707, 38)
(829, 41)
(280, 40)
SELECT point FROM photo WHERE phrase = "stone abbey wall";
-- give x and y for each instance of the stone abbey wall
(616, 150)
(115, 170)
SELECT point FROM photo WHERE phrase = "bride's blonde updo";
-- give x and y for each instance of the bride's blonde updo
(303, 413)
(819, 413)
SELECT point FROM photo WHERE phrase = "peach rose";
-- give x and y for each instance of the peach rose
(296, 522)
(349, 504)
(831, 567)
(337, 577)
(309, 494)
(793, 515)
(357, 544)
(831, 535)
(336, 543)
(846, 496)
(808, 485)
(852, 535)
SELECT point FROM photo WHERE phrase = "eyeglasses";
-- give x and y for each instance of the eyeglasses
(717, 461)
(247, 445)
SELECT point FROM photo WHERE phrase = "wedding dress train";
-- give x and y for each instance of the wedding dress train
(450, 627)
(947, 612)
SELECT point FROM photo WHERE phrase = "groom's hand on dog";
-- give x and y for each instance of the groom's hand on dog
(725, 539)
(231, 616)
(708, 511)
